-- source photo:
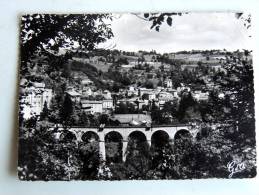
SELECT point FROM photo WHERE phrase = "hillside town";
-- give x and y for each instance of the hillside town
(131, 83)
(162, 99)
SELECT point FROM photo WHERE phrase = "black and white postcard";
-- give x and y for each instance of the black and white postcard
(136, 96)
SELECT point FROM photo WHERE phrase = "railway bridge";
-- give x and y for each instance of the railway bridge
(124, 133)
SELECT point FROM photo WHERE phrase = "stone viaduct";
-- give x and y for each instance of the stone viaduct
(124, 132)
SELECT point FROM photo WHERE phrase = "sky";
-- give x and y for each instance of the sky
(198, 31)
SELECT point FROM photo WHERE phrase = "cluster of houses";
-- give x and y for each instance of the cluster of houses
(33, 97)
(92, 100)
(140, 97)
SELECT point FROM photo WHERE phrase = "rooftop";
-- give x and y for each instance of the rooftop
(39, 85)
(73, 93)
(132, 118)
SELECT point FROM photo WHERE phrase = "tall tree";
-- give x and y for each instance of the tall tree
(241, 89)
(45, 33)
(45, 111)
(186, 102)
(66, 111)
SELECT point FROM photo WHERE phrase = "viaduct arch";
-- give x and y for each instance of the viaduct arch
(103, 135)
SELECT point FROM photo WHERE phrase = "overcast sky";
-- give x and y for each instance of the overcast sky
(189, 31)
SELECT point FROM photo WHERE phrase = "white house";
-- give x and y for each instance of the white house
(34, 99)
(74, 95)
(168, 83)
(87, 91)
(183, 88)
(165, 96)
(132, 91)
(145, 90)
(200, 96)
(108, 104)
(92, 106)
(86, 82)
